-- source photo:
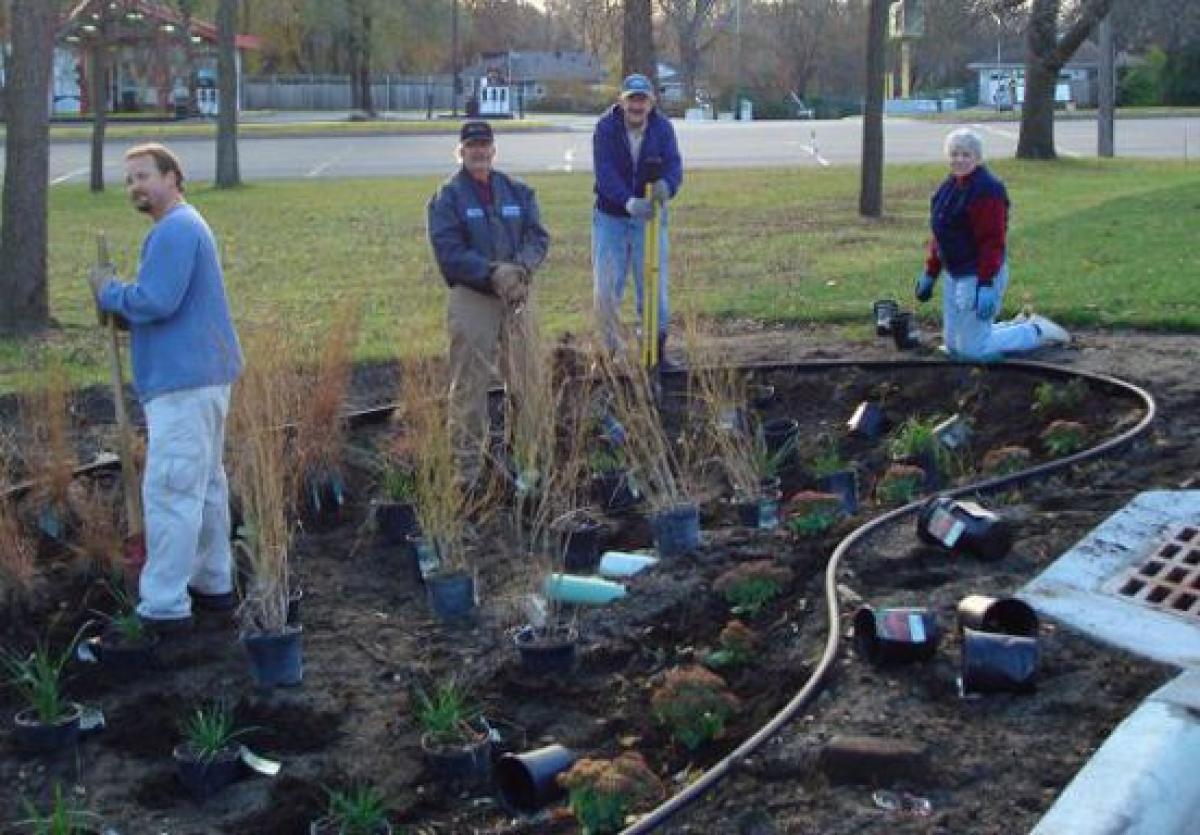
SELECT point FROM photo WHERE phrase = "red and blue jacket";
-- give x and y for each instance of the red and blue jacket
(969, 218)
(617, 179)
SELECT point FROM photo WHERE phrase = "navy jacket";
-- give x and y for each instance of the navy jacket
(468, 238)
(616, 178)
(969, 219)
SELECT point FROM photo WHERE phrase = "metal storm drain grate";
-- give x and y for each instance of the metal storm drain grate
(1168, 579)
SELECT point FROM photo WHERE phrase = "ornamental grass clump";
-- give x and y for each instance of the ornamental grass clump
(915, 440)
(1064, 437)
(737, 646)
(210, 731)
(320, 428)
(751, 585)
(358, 810)
(49, 456)
(38, 678)
(264, 475)
(447, 715)
(693, 704)
(18, 567)
(900, 484)
(603, 793)
(100, 542)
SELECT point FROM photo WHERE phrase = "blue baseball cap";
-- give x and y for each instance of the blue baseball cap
(636, 84)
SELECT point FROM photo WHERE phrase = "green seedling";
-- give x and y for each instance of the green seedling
(915, 439)
(1052, 399)
(1064, 438)
(359, 810)
(209, 730)
(38, 678)
(767, 463)
(446, 715)
(62, 818)
(124, 622)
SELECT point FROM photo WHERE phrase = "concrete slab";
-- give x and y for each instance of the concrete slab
(1071, 590)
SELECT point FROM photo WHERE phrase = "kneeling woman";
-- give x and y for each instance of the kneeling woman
(969, 218)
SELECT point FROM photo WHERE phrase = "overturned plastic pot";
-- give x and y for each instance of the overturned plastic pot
(203, 776)
(38, 737)
(953, 433)
(904, 330)
(993, 663)
(898, 635)
(868, 420)
(581, 547)
(529, 781)
(395, 522)
(883, 311)
(676, 530)
(590, 591)
(624, 564)
(277, 659)
(423, 552)
(451, 594)
(546, 650)
(964, 526)
(999, 615)
(844, 485)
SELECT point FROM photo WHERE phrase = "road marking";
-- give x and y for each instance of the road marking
(812, 151)
(320, 169)
(1011, 135)
(69, 175)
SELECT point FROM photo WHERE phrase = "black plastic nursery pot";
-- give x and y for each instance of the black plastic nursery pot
(529, 781)
(883, 310)
(423, 553)
(546, 651)
(780, 434)
(964, 526)
(927, 461)
(36, 737)
(999, 615)
(614, 491)
(581, 547)
(761, 395)
(395, 522)
(203, 777)
(761, 513)
(451, 594)
(277, 658)
(844, 485)
(676, 530)
(466, 762)
(904, 330)
(868, 421)
(994, 663)
(324, 499)
(125, 658)
(897, 635)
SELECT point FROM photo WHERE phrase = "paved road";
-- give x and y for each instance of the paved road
(704, 145)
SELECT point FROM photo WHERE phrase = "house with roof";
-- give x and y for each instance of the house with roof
(1001, 77)
(531, 74)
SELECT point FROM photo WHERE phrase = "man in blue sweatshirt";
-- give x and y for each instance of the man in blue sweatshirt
(186, 356)
(626, 137)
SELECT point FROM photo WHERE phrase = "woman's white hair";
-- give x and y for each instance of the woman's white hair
(964, 139)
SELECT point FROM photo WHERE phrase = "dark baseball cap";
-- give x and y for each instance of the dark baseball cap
(476, 131)
(636, 84)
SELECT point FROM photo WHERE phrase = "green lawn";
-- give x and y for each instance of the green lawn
(1092, 243)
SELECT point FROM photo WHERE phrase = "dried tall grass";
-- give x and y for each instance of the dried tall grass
(100, 541)
(48, 453)
(441, 503)
(320, 430)
(265, 400)
(18, 551)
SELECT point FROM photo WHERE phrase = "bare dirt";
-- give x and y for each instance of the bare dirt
(995, 763)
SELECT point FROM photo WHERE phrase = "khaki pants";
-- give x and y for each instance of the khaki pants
(475, 322)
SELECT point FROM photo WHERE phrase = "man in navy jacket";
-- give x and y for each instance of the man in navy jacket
(629, 134)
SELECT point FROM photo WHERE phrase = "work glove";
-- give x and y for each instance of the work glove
(640, 208)
(661, 191)
(98, 276)
(511, 283)
(986, 302)
(924, 287)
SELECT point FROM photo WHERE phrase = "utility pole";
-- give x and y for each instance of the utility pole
(1106, 92)
(457, 83)
(737, 58)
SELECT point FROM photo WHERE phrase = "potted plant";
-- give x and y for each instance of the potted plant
(613, 488)
(693, 704)
(395, 509)
(264, 478)
(1064, 437)
(603, 793)
(900, 484)
(737, 646)
(835, 475)
(125, 646)
(359, 810)
(914, 442)
(454, 742)
(49, 721)
(320, 427)
(209, 757)
(749, 586)
(63, 817)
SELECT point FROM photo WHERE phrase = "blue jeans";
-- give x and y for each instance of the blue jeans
(969, 337)
(618, 245)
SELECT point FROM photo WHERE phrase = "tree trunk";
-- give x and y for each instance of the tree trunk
(99, 95)
(23, 237)
(637, 45)
(364, 65)
(228, 174)
(870, 196)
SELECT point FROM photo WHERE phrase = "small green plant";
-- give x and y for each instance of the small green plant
(62, 818)
(359, 810)
(828, 460)
(603, 792)
(399, 483)
(1064, 437)
(693, 704)
(900, 484)
(737, 647)
(750, 586)
(915, 439)
(1006, 460)
(446, 715)
(124, 623)
(38, 678)
(1051, 399)
(209, 730)
(812, 514)
(768, 463)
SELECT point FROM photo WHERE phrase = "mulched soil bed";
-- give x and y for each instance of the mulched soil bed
(996, 762)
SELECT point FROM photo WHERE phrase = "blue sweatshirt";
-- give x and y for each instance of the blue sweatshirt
(617, 178)
(179, 323)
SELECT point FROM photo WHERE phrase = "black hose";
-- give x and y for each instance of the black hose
(661, 814)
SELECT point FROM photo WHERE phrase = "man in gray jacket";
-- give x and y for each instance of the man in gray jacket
(488, 239)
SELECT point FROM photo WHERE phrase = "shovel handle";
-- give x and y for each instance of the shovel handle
(102, 260)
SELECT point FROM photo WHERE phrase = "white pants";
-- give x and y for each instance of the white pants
(969, 337)
(186, 499)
